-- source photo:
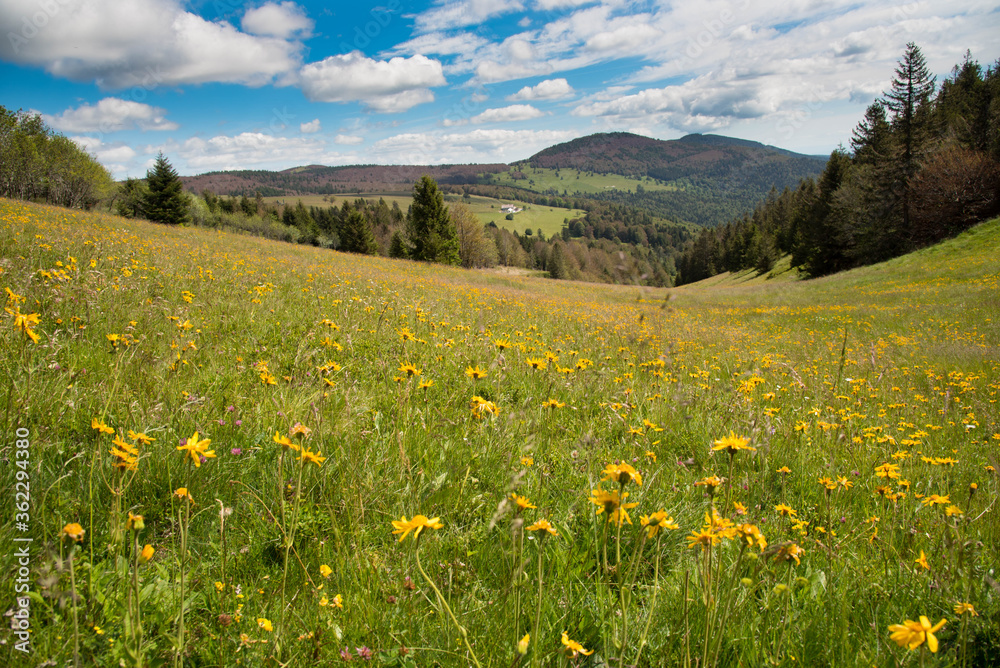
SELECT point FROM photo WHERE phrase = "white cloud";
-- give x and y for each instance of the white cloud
(384, 85)
(283, 20)
(348, 140)
(550, 89)
(623, 37)
(117, 157)
(252, 148)
(478, 145)
(448, 14)
(111, 115)
(547, 5)
(310, 127)
(143, 43)
(515, 112)
(491, 71)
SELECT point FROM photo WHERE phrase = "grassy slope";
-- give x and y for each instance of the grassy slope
(672, 371)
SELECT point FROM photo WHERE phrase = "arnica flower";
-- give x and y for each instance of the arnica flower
(265, 624)
(197, 449)
(300, 430)
(74, 531)
(887, 471)
(739, 508)
(711, 482)
(99, 426)
(609, 502)
(475, 372)
(527, 461)
(522, 644)
(733, 444)
(285, 442)
(962, 608)
(922, 561)
(784, 470)
(552, 403)
(543, 525)
(844, 483)
(656, 521)
(912, 634)
(182, 493)
(308, 455)
(146, 554)
(789, 551)
(416, 525)
(536, 363)
(140, 438)
(135, 522)
(952, 511)
(523, 503)
(621, 474)
(705, 537)
(126, 455)
(409, 369)
(573, 648)
(752, 535)
(25, 322)
(325, 570)
(481, 407)
(828, 483)
(936, 500)
(787, 511)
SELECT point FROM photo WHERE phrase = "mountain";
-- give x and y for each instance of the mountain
(701, 179)
(704, 179)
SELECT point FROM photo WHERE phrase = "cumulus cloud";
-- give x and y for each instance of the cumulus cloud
(252, 148)
(282, 20)
(384, 85)
(491, 71)
(310, 127)
(515, 112)
(147, 43)
(478, 145)
(111, 115)
(623, 37)
(550, 89)
(447, 14)
(117, 157)
(348, 140)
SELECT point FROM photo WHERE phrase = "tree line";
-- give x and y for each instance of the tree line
(39, 164)
(923, 165)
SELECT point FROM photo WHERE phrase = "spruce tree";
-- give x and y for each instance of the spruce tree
(431, 233)
(909, 102)
(356, 235)
(165, 201)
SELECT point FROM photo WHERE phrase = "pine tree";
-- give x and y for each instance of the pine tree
(356, 235)
(871, 139)
(431, 233)
(909, 103)
(165, 201)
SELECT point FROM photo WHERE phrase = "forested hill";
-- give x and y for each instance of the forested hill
(694, 156)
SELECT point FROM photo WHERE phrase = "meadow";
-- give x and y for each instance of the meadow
(233, 451)
(543, 179)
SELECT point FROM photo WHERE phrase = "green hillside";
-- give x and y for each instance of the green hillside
(337, 455)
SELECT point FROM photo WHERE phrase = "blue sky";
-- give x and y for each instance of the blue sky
(221, 84)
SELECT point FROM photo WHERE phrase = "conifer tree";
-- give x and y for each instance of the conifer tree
(431, 233)
(356, 234)
(165, 201)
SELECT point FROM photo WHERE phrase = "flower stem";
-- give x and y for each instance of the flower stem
(538, 610)
(447, 608)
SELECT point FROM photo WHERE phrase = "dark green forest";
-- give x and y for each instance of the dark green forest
(923, 165)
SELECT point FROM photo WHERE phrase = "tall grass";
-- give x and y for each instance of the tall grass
(292, 560)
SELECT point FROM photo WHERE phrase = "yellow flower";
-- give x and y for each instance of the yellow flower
(527, 461)
(182, 493)
(828, 483)
(751, 534)
(522, 644)
(711, 482)
(552, 403)
(656, 521)
(338, 601)
(739, 508)
(409, 369)
(787, 511)
(481, 407)
(197, 449)
(424, 384)
(887, 471)
(651, 455)
(912, 634)
(621, 474)
(475, 373)
(952, 511)
(417, 524)
(784, 469)
(543, 525)
(265, 624)
(74, 531)
(536, 363)
(101, 427)
(733, 443)
(285, 442)
(301, 431)
(325, 570)
(316, 458)
(135, 522)
(962, 608)
(789, 551)
(140, 437)
(573, 648)
(146, 554)
(610, 503)
(922, 561)
(523, 503)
